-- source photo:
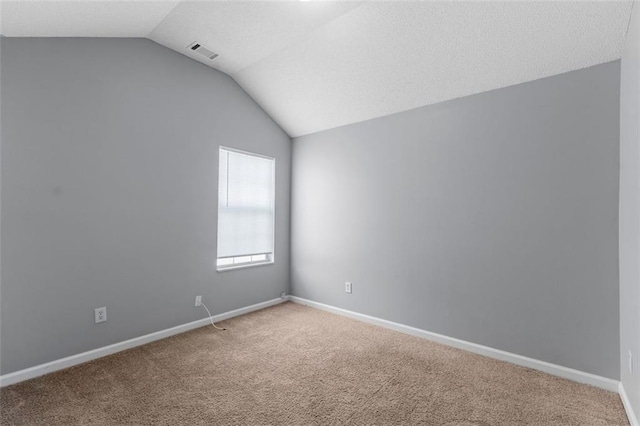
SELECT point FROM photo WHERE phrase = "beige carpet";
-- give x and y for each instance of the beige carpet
(295, 365)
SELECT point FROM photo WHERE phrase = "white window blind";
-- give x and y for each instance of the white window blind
(246, 190)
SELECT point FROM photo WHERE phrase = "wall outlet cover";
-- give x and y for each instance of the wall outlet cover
(347, 287)
(100, 314)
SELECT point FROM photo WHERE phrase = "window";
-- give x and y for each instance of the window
(246, 209)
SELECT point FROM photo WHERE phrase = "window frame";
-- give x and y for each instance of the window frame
(270, 256)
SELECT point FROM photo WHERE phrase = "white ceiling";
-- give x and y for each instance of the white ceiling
(82, 18)
(321, 64)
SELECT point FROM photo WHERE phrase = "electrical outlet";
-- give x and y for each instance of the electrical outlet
(347, 287)
(283, 295)
(630, 359)
(100, 314)
(198, 300)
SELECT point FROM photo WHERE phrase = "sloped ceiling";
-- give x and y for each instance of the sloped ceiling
(316, 65)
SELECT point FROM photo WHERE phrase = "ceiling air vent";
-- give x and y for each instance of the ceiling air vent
(197, 47)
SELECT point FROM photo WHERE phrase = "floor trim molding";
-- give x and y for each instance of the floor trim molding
(50, 367)
(633, 420)
(556, 370)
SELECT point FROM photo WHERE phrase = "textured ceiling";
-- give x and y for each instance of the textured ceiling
(243, 33)
(320, 64)
(84, 18)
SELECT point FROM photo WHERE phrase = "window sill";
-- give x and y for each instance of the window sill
(248, 265)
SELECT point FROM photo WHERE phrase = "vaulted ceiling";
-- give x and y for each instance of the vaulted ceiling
(315, 65)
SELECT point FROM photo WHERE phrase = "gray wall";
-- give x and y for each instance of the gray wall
(491, 218)
(109, 193)
(629, 211)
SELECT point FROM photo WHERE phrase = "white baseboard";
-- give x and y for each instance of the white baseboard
(633, 420)
(49, 367)
(556, 370)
